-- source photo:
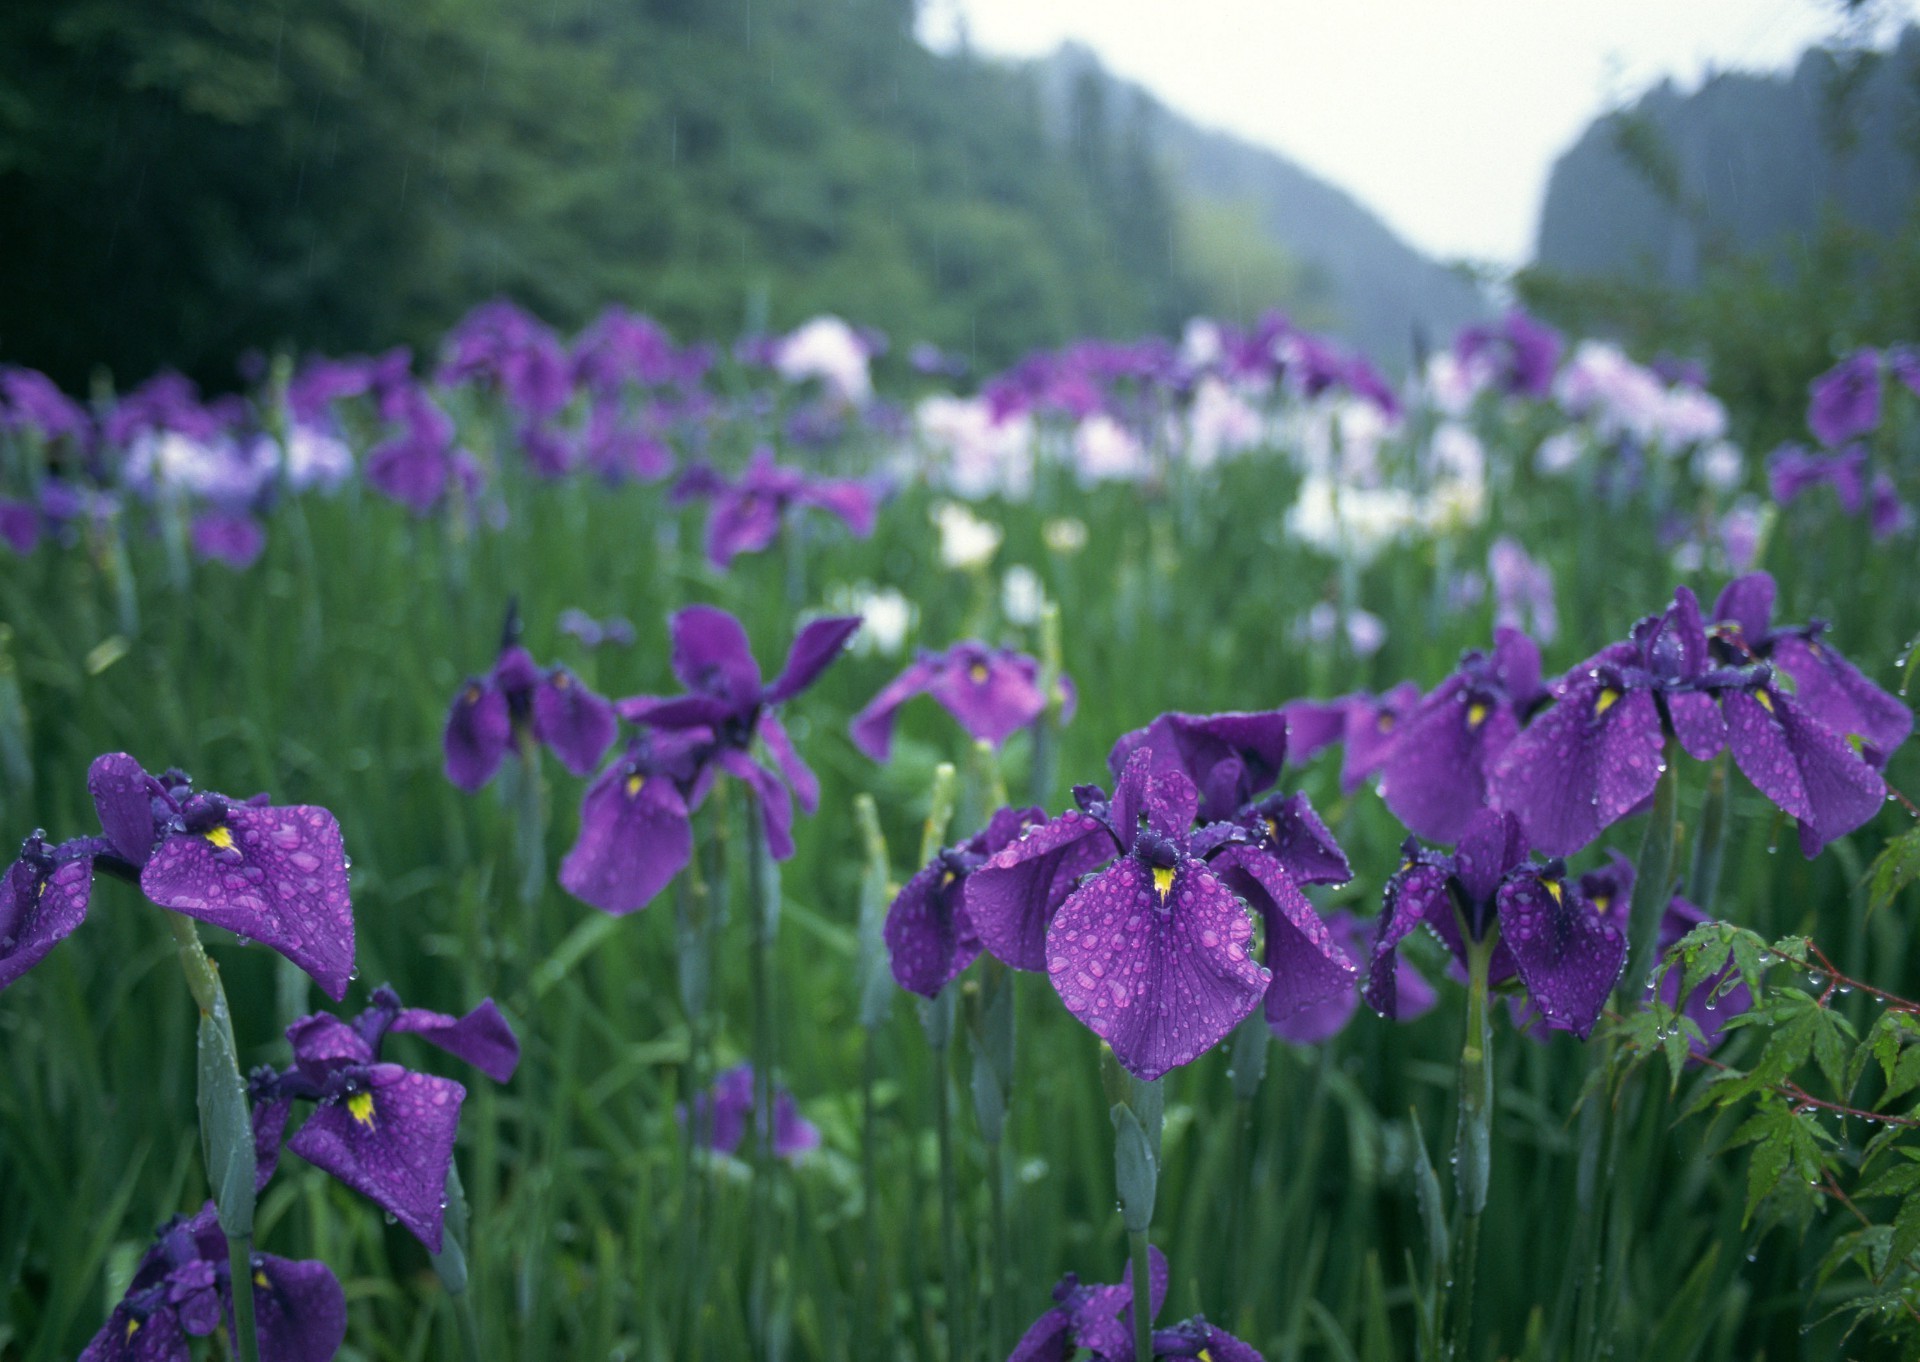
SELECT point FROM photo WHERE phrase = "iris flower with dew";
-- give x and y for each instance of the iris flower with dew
(992, 692)
(383, 1130)
(182, 1289)
(1546, 932)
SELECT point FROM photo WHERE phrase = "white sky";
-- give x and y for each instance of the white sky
(1443, 116)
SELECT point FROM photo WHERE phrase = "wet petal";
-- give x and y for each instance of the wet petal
(122, 796)
(711, 655)
(40, 905)
(1748, 602)
(635, 836)
(1434, 778)
(1580, 766)
(1801, 765)
(1230, 756)
(1697, 723)
(1566, 954)
(276, 875)
(482, 1038)
(391, 1141)
(872, 727)
(1013, 897)
(299, 1309)
(1161, 972)
(478, 733)
(578, 725)
(1834, 692)
(929, 935)
(1309, 968)
(1046, 1340)
(993, 694)
(1301, 842)
(1416, 894)
(1372, 727)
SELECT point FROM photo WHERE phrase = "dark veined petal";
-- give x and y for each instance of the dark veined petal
(479, 731)
(1748, 602)
(1372, 728)
(322, 1043)
(276, 875)
(1171, 804)
(1434, 778)
(1046, 1339)
(1834, 692)
(1491, 845)
(1229, 757)
(1013, 897)
(482, 1037)
(798, 775)
(299, 1309)
(1580, 766)
(711, 655)
(872, 727)
(1312, 727)
(1197, 1338)
(1159, 968)
(122, 796)
(1308, 967)
(1566, 954)
(635, 836)
(929, 935)
(814, 649)
(40, 905)
(1301, 842)
(678, 712)
(1102, 1316)
(578, 725)
(1416, 894)
(1697, 723)
(1801, 765)
(991, 694)
(391, 1141)
(1129, 800)
(126, 1337)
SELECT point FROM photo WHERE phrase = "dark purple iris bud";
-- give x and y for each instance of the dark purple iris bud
(1229, 757)
(992, 692)
(1091, 1318)
(383, 1130)
(1371, 727)
(1434, 777)
(726, 709)
(1519, 354)
(1791, 470)
(1845, 400)
(748, 513)
(1198, 1339)
(726, 1113)
(1825, 684)
(182, 1289)
(269, 874)
(1598, 752)
(550, 706)
(1565, 953)
(1320, 1022)
(43, 897)
(929, 935)
(420, 465)
(230, 537)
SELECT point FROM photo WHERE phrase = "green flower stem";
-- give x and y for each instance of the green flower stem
(1653, 880)
(226, 1127)
(763, 911)
(1703, 885)
(1142, 1296)
(1137, 1108)
(1473, 1143)
(450, 1265)
(937, 1017)
(876, 1004)
(700, 905)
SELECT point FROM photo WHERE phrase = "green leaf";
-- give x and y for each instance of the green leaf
(1906, 1232)
(1896, 867)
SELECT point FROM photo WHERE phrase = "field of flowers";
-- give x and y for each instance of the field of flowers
(802, 852)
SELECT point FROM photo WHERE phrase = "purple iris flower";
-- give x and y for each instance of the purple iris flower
(19, 526)
(1093, 1318)
(930, 938)
(1564, 951)
(1887, 515)
(1322, 1021)
(726, 1112)
(1845, 400)
(273, 875)
(551, 706)
(1229, 757)
(1791, 470)
(619, 446)
(1152, 953)
(504, 347)
(748, 513)
(623, 348)
(993, 692)
(1592, 757)
(230, 537)
(1434, 777)
(383, 1130)
(183, 1290)
(1519, 353)
(1201, 1340)
(30, 401)
(634, 830)
(1371, 727)
(1522, 589)
(420, 465)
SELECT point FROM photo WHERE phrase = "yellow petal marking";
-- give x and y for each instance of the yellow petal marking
(977, 673)
(1162, 881)
(260, 1280)
(635, 782)
(360, 1107)
(1553, 887)
(1766, 701)
(221, 837)
(1607, 699)
(1602, 902)
(1476, 714)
